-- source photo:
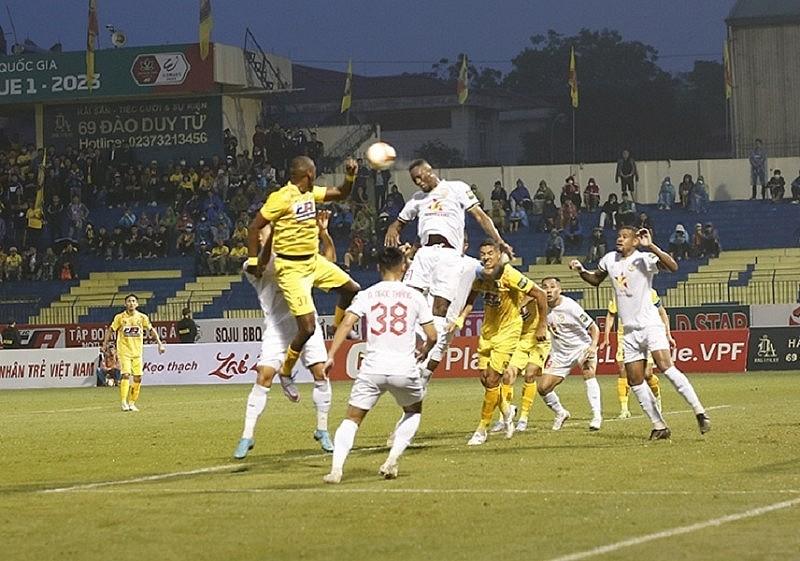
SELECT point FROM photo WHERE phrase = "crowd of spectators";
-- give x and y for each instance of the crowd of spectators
(191, 208)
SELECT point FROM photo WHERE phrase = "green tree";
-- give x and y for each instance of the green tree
(479, 78)
(440, 155)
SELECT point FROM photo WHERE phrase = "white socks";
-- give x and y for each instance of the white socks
(403, 435)
(321, 396)
(648, 402)
(553, 402)
(593, 393)
(256, 403)
(343, 443)
(684, 387)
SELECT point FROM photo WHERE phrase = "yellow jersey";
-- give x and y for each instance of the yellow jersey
(612, 309)
(502, 299)
(294, 219)
(130, 330)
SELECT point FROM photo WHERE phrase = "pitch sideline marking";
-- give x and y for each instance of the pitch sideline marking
(677, 531)
(712, 408)
(425, 491)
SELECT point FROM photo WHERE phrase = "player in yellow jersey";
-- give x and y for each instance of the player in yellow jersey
(299, 267)
(528, 359)
(504, 291)
(622, 382)
(130, 327)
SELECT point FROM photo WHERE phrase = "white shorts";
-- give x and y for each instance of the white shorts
(433, 270)
(639, 343)
(561, 364)
(368, 388)
(276, 340)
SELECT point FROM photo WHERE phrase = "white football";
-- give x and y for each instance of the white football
(381, 156)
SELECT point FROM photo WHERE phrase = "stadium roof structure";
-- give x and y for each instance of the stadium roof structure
(764, 12)
(319, 85)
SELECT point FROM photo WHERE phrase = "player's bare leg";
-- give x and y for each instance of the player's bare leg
(546, 388)
(346, 292)
(306, 325)
(635, 372)
(533, 374)
(343, 442)
(683, 386)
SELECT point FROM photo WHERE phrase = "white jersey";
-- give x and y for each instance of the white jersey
(632, 278)
(270, 297)
(441, 211)
(470, 268)
(392, 311)
(568, 323)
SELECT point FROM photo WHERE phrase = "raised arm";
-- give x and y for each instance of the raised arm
(392, 238)
(327, 248)
(592, 277)
(488, 226)
(343, 191)
(665, 260)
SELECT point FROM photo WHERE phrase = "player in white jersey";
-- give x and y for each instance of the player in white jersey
(279, 329)
(391, 310)
(439, 207)
(631, 273)
(574, 343)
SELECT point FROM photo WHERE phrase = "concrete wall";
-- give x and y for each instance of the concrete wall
(727, 179)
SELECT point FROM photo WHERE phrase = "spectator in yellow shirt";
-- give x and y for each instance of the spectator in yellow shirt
(218, 260)
(13, 268)
(237, 256)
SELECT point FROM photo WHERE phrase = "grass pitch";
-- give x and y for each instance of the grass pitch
(82, 480)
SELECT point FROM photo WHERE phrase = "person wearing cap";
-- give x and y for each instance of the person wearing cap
(187, 328)
(11, 337)
(666, 195)
(679, 243)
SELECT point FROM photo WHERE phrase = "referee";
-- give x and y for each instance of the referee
(187, 328)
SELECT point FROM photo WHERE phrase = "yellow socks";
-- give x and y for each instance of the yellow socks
(622, 393)
(338, 316)
(528, 395)
(507, 392)
(135, 388)
(491, 398)
(652, 381)
(289, 362)
(124, 386)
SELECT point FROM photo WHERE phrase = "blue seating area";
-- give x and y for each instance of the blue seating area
(741, 225)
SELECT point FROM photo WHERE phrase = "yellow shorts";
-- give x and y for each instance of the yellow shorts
(130, 365)
(297, 278)
(495, 352)
(530, 351)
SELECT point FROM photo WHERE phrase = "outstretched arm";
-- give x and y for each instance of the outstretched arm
(592, 277)
(339, 337)
(343, 190)
(488, 226)
(665, 259)
(392, 238)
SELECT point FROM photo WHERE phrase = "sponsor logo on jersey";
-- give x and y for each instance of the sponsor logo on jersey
(304, 210)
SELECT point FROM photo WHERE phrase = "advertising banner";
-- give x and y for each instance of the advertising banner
(54, 368)
(80, 335)
(700, 318)
(151, 128)
(249, 329)
(774, 348)
(46, 77)
(775, 315)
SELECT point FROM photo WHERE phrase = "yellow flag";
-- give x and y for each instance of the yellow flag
(726, 63)
(347, 97)
(573, 78)
(462, 86)
(91, 42)
(206, 24)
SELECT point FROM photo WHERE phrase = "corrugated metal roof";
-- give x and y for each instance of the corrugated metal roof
(764, 12)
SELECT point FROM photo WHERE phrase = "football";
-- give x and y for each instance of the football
(381, 155)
